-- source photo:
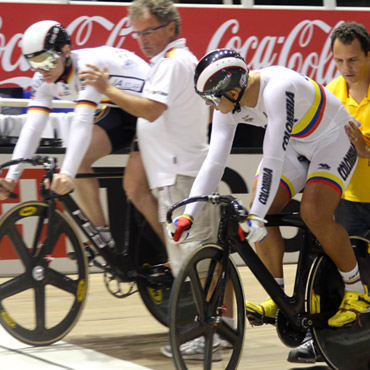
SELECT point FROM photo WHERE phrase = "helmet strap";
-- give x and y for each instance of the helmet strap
(67, 68)
(236, 101)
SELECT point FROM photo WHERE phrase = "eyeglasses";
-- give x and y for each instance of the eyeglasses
(147, 33)
(46, 60)
(210, 99)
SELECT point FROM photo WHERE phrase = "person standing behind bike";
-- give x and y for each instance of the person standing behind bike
(172, 126)
(350, 44)
(305, 147)
(47, 47)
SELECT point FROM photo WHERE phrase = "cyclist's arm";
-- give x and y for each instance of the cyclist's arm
(274, 148)
(212, 170)
(29, 138)
(80, 132)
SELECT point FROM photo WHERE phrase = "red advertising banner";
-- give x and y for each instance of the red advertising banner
(298, 39)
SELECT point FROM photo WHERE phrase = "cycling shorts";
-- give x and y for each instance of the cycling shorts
(119, 125)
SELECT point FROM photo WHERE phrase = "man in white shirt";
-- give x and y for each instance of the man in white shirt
(173, 121)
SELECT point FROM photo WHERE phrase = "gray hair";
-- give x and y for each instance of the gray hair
(164, 10)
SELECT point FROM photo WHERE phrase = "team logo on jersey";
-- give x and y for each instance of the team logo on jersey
(346, 165)
(289, 118)
(248, 118)
(323, 166)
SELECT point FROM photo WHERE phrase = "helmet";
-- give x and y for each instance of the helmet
(218, 72)
(42, 41)
(43, 36)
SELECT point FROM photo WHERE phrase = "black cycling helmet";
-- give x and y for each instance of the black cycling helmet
(42, 41)
(219, 72)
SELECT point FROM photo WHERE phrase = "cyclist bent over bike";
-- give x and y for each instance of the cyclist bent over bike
(305, 146)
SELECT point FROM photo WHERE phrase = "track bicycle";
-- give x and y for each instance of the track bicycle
(317, 294)
(49, 264)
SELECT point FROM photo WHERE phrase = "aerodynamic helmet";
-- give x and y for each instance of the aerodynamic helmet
(42, 42)
(219, 72)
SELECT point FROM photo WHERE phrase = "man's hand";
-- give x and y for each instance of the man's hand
(179, 225)
(96, 77)
(254, 227)
(61, 184)
(357, 139)
(6, 187)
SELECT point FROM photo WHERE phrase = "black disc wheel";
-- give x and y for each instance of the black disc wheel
(42, 291)
(216, 296)
(343, 348)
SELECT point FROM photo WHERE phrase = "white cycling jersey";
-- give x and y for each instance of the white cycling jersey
(304, 140)
(127, 71)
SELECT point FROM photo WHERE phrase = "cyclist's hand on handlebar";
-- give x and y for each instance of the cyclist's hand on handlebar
(6, 187)
(178, 230)
(254, 227)
(61, 184)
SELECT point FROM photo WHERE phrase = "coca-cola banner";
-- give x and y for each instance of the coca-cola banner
(298, 39)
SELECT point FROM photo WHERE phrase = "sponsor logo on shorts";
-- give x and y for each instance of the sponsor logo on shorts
(346, 165)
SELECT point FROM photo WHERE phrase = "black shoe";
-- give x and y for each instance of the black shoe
(306, 353)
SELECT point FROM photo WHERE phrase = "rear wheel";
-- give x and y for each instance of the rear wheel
(206, 318)
(42, 292)
(343, 348)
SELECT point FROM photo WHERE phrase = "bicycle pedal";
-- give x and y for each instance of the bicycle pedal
(157, 274)
(259, 320)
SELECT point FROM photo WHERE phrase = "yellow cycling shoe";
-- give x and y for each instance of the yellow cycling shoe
(263, 313)
(353, 304)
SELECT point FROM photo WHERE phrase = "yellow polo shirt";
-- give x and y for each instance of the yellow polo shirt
(359, 188)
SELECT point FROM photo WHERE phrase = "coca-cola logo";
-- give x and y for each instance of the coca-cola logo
(304, 45)
(286, 50)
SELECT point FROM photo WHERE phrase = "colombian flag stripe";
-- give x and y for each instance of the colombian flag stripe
(43, 110)
(327, 179)
(288, 186)
(86, 103)
(285, 183)
(170, 53)
(308, 124)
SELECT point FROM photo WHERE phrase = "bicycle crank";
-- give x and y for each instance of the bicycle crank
(118, 288)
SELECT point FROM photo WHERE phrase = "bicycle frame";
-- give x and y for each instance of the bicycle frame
(92, 234)
(292, 307)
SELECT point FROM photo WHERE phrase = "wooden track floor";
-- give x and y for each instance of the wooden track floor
(124, 329)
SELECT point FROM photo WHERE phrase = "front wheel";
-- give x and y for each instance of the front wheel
(42, 292)
(342, 348)
(216, 293)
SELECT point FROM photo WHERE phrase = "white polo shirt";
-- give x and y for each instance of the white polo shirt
(177, 142)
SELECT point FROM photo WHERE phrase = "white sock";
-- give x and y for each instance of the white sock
(352, 280)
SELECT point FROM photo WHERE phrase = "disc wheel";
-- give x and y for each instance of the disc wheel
(42, 292)
(203, 271)
(343, 348)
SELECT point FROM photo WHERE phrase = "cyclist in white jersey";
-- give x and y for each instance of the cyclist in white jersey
(305, 147)
(47, 47)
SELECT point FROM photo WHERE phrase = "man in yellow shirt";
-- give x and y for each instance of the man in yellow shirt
(350, 43)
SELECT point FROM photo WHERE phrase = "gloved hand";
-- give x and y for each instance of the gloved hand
(254, 227)
(178, 226)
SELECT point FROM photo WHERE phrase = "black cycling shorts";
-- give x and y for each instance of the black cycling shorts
(119, 126)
